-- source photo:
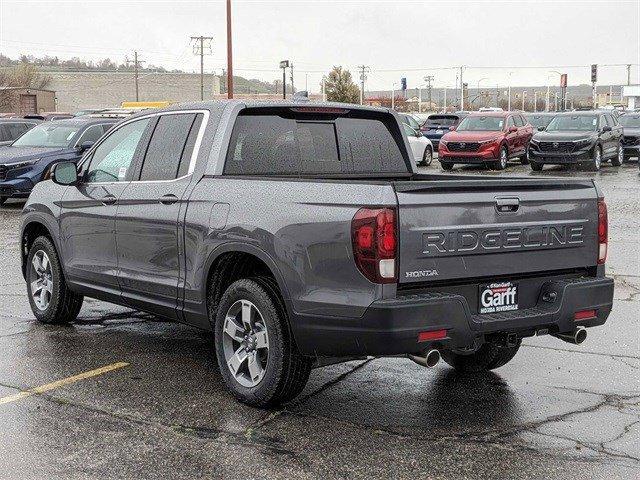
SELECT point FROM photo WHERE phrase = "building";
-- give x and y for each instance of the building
(631, 93)
(102, 89)
(25, 101)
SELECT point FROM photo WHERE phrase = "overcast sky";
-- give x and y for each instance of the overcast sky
(394, 39)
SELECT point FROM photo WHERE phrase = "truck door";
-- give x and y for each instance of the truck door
(148, 221)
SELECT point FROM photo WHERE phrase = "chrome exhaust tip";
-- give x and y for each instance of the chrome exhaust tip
(429, 360)
(577, 337)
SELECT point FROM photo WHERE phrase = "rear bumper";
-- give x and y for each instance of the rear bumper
(391, 327)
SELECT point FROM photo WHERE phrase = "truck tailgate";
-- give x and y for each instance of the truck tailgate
(456, 229)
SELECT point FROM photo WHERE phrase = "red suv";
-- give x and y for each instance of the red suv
(487, 138)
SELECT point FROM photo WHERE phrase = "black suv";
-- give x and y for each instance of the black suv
(583, 138)
(631, 134)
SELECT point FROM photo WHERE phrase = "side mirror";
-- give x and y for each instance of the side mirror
(541, 128)
(84, 146)
(606, 128)
(513, 129)
(65, 173)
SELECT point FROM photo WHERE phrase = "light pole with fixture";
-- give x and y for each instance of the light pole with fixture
(283, 65)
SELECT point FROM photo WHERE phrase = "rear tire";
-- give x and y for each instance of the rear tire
(49, 296)
(524, 159)
(446, 166)
(284, 371)
(2, 200)
(427, 157)
(488, 357)
(619, 158)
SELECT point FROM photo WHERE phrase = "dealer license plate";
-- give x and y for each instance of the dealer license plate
(498, 297)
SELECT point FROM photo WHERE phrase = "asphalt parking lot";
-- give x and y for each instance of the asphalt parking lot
(124, 395)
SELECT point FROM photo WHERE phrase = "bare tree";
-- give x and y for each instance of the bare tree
(24, 75)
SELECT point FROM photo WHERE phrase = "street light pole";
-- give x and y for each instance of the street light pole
(509, 92)
(283, 65)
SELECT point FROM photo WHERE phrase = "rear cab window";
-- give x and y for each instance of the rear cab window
(282, 141)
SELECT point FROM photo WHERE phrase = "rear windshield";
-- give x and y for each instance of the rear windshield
(439, 120)
(286, 144)
(482, 124)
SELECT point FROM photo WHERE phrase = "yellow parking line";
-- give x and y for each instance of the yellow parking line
(62, 383)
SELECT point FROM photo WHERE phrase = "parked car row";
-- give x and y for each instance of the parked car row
(29, 159)
(494, 137)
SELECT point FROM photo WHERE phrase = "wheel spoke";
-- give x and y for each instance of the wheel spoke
(36, 286)
(48, 286)
(43, 297)
(262, 341)
(37, 263)
(232, 329)
(255, 369)
(246, 315)
(45, 262)
(236, 361)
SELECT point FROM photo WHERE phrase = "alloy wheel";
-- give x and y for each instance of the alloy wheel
(620, 154)
(597, 159)
(41, 280)
(503, 158)
(245, 343)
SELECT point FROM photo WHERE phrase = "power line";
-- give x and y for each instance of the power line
(198, 49)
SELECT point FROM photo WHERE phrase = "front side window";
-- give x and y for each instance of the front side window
(409, 131)
(518, 121)
(50, 134)
(111, 160)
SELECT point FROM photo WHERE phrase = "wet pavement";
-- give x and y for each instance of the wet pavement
(556, 411)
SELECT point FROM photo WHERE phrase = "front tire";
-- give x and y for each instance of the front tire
(501, 163)
(536, 167)
(49, 296)
(427, 157)
(487, 357)
(524, 159)
(256, 353)
(446, 166)
(596, 159)
(619, 158)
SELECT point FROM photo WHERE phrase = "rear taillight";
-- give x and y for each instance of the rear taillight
(603, 231)
(374, 239)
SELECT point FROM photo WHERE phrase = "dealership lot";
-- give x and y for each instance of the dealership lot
(151, 403)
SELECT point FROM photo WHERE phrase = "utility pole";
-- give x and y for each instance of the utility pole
(363, 76)
(628, 74)
(229, 53)
(293, 89)
(198, 49)
(429, 79)
(136, 65)
(461, 90)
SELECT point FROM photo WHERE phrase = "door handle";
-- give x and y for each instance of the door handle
(504, 205)
(168, 199)
(108, 200)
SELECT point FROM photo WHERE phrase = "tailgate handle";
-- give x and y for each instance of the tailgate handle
(507, 204)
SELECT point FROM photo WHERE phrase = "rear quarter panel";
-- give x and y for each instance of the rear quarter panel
(301, 229)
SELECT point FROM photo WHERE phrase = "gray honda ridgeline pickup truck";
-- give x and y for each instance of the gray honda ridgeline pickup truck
(302, 235)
